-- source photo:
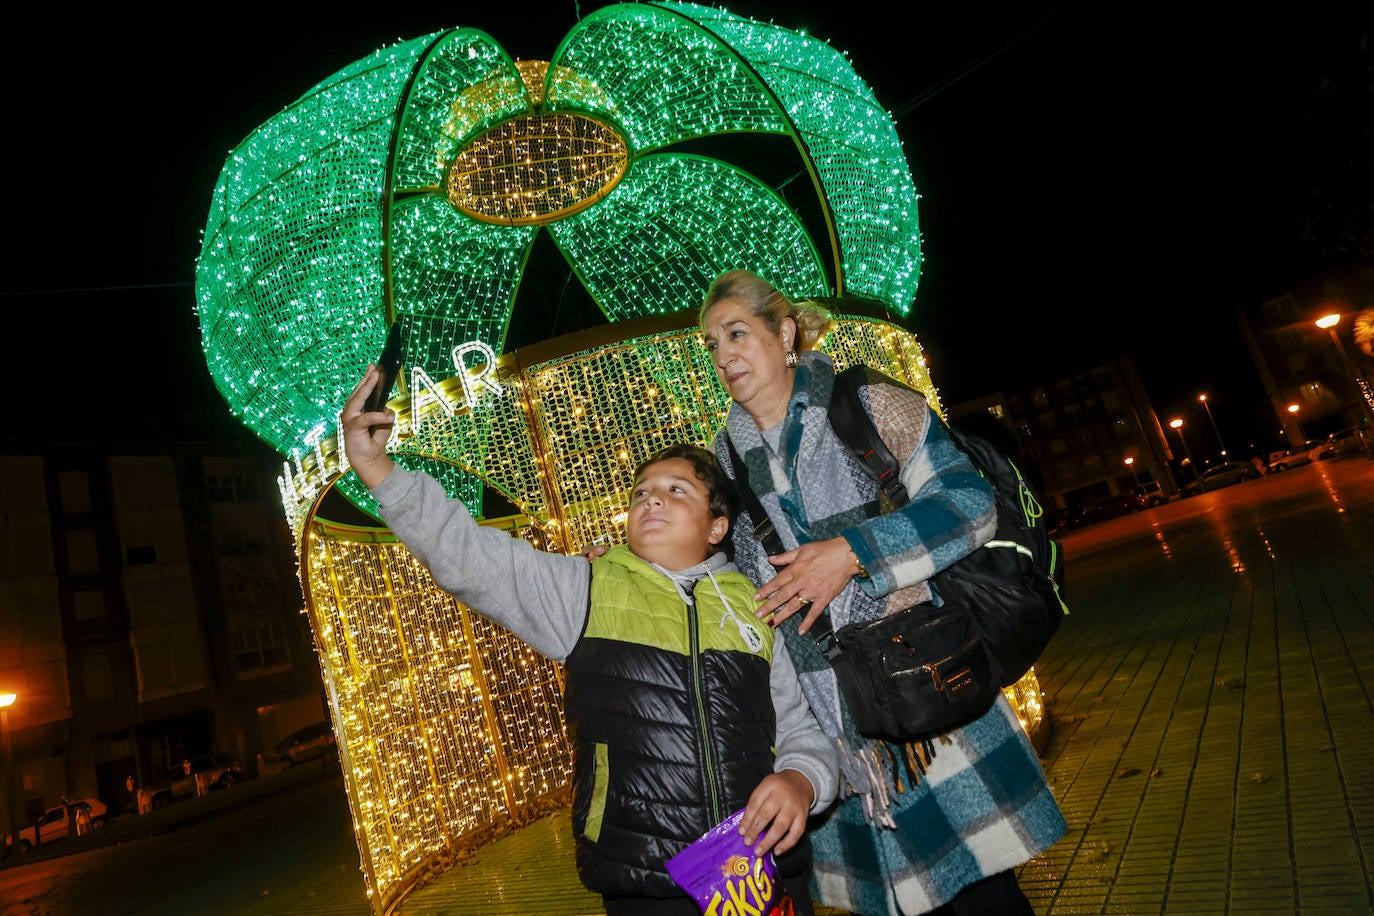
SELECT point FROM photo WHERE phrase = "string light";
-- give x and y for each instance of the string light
(410, 186)
(451, 728)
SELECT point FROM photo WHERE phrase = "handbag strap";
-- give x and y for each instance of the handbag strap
(767, 534)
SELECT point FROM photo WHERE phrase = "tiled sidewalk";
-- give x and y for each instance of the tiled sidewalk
(1211, 695)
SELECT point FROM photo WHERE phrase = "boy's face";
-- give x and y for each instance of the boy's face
(670, 519)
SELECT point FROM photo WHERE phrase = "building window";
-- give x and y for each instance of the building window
(1083, 438)
(1111, 399)
(136, 556)
(1092, 462)
(1058, 446)
(88, 613)
(259, 644)
(98, 678)
(1065, 471)
(1282, 310)
(231, 488)
(75, 489)
(83, 557)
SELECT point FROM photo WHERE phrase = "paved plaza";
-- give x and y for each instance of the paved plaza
(1213, 743)
(1211, 748)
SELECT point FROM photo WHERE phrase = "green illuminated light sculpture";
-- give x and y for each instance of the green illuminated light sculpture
(410, 187)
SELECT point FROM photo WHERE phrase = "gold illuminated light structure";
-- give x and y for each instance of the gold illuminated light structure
(409, 187)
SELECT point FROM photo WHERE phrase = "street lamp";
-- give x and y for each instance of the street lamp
(1208, 407)
(12, 824)
(1129, 461)
(1328, 323)
(1177, 423)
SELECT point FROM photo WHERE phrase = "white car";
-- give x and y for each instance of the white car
(217, 771)
(1287, 458)
(306, 744)
(1339, 444)
(55, 824)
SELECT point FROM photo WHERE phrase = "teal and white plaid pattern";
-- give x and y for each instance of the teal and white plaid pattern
(899, 841)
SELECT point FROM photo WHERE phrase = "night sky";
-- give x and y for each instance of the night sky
(1094, 181)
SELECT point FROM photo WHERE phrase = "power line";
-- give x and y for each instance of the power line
(966, 70)
(972, 66)
(98, 289)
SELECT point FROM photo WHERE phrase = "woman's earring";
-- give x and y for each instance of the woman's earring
(790, 360)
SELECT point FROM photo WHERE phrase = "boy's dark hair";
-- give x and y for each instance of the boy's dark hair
(720, 490)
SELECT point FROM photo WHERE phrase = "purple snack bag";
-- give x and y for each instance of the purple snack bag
(724, 877)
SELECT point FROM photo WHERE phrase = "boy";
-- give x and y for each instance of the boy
(676, 696)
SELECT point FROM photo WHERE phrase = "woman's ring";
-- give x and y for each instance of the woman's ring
(802, 599)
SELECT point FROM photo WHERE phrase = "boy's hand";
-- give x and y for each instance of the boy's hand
(775, 817)
(594, 550)
(365, 434)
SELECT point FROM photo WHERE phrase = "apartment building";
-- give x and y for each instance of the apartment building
(149, 613)
(1073, 436)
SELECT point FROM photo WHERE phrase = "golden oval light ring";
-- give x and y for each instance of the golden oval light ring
(536, 169)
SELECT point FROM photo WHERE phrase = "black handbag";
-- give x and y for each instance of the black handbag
(906, 676)
(912, 674)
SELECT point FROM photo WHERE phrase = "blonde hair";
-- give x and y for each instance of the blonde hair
(813, 319)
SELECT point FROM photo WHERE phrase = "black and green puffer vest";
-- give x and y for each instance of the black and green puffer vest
(670, 716)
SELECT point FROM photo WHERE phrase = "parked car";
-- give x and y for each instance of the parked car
(1284, 459)
(307, 743)
(1339, 444)
(1223, 475)
(1066, 519)
(55, 824)
(1151, 493)
(1114, 507)
(218, 770)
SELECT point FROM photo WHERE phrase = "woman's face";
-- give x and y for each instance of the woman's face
(749, 359)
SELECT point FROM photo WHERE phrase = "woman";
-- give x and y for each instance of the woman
(937, 826)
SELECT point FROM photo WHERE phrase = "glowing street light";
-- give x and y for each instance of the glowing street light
(1328, 323)
(1177, 424)
(1208, 407)
(6, 701)
(1129, 461)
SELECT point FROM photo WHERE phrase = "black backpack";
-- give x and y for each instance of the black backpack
(1015, 582)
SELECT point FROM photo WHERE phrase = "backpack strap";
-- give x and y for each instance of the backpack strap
(855, 429)
(767, 535)
(764, 532)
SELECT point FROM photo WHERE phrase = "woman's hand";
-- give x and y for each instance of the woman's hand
(365, 433)
(812, 574)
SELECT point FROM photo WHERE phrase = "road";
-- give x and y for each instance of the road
(291, 853)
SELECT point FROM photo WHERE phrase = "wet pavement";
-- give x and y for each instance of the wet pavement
(1212, 725)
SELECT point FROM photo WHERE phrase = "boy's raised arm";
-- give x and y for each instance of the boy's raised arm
(540, 597)
(365, 434)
